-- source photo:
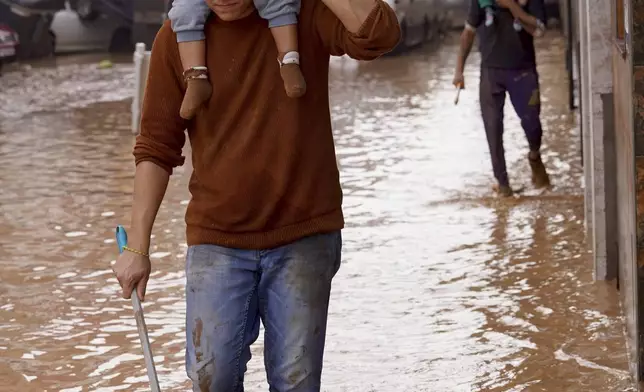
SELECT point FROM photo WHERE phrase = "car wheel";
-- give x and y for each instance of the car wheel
(121, 41)
(85, 9)
(403, 36)
(402, 44)
(52, 42)
(427, 32)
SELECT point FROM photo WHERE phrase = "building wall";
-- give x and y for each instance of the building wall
(584, 93)
(625, 180)
(637, 50)
(596, 40)
(612, 116)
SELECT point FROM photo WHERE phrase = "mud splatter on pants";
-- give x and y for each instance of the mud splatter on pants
(523, 88)
(228, 293)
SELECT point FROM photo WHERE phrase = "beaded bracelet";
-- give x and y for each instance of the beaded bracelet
(138, 252)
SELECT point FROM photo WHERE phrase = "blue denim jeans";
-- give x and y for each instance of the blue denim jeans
(229, 291)
(188, 17)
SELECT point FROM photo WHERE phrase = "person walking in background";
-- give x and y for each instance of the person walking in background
(508, 64)
(265, 217)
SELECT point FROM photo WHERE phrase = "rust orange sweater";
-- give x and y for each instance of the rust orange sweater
(264, 165)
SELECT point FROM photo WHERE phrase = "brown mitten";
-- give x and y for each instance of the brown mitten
(198, 91)
(294, 82)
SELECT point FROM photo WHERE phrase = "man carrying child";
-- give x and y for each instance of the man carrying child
(265, 217)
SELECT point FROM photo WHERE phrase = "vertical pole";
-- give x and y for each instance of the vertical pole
(610, 188)
(139, 86)
(569, 57)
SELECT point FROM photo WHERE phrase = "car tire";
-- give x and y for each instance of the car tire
(427, 33)
(41, 44)
(52, 40)
(402, 44)
(121, 41)
(86, 10)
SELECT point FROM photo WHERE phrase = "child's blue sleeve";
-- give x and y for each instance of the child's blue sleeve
(187, 18)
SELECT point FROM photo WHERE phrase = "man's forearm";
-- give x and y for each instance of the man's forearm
(534, 31)
(150, 184)
(352, 13)
(467, 40)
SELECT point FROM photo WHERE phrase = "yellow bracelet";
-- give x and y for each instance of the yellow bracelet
(138, 252)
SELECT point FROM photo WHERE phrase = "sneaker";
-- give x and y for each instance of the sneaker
(503, 190)
(540, 177)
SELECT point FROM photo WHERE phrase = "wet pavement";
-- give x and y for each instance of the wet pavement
(443, 287)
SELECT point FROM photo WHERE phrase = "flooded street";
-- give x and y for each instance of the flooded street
(443, 288)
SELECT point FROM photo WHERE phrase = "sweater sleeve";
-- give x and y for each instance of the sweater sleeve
(162, 129)
(379, 34)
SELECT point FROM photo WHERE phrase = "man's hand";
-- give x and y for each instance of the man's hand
(132, 271)
(459, 80)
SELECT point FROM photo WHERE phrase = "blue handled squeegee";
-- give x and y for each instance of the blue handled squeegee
(121, 240)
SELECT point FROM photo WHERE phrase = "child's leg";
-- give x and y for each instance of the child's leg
(489, 16)
(488, 7)
(282, 20)
(188, 18)
(286, 40)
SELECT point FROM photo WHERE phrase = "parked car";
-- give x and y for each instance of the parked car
(86, 9)
(454, 13)
(8, 45)
(38, 5)
(106, 32)
(149, 15)
(90, 10)
(31, 19)
(418, 20)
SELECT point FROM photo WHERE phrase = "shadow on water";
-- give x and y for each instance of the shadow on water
(443, 287)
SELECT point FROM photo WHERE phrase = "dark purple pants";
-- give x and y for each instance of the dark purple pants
(523, 88)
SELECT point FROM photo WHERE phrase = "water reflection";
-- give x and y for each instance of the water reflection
(444, 287)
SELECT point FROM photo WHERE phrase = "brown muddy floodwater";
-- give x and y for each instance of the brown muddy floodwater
(443, 288)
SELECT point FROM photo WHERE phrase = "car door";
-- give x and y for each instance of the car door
(414, 20)
(425, 12)
(432, 12)
(42, 5)
(72, 34)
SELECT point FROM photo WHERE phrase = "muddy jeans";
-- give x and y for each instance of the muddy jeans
(523, 88)
(188, 17)
(229, 291)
